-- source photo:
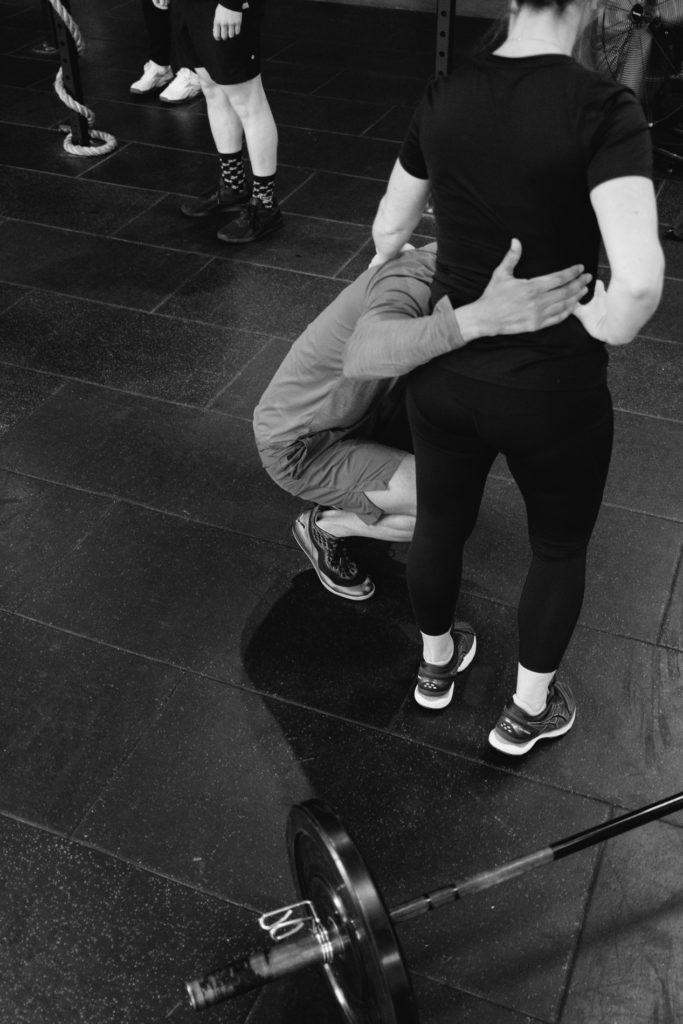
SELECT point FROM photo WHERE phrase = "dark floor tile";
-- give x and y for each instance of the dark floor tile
(16, 37)
(308, 244)
(65, 731)
(28, 107)
(20, 393)
(285, 76)
(332, 151)
(65, 203)
(669, 201)
(647, 377)
(672, 628)
(39, 148)
(673, 254)
(198, 465)
(139, 352)
(627, 968)
(394, 125)
(631, 562)
(646, 473)
(90, 939)
(18, 71)
(667, 323)
(338, 197)
(278, 302)
(222, 768)
(154, 167)
(357, 661)
(384, 88)
(9, 294)
(72, 262)
(242, 395)
(153, 123)
(604, 672)
(324, 113)
(42, 525)
(161, 586)
(443, 1004)
(382, 55)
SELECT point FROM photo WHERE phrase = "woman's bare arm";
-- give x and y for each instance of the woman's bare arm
(626, 210)
(399, 212)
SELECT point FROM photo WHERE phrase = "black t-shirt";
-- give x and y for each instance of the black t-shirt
(512, 148)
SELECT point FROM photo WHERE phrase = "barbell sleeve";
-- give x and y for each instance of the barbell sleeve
(255, 970)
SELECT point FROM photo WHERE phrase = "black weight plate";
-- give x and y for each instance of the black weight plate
(369, 978)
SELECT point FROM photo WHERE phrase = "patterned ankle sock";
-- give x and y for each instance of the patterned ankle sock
(264, 189)
(232, 170)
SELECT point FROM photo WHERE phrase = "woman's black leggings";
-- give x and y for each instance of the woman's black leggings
(558, 447)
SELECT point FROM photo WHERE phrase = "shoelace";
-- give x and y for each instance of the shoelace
(337, 555)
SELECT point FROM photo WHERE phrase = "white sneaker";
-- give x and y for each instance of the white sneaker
(154, 76)
(185, 86)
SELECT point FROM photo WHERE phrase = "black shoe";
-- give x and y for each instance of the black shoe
(220, 198)
(516, 732)
(331, 559)
(254, 221)
(435, 683)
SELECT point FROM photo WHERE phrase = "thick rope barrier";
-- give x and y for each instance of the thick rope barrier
(108, 141)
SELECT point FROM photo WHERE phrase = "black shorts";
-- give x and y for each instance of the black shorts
(228, 61)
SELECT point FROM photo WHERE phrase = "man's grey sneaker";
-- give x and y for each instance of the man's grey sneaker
(516, 732)
(331, 559)
(435, 683)
(254, 221)
(219, 199)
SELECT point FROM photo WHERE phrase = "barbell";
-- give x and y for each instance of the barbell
(342, 924)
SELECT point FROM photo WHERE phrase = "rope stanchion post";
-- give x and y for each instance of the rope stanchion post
(70, 43)
(71, 78)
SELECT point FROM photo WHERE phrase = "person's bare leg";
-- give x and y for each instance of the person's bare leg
(225, 124)
(251, 107)
(398, 501)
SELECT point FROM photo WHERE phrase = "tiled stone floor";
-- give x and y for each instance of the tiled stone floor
(173, 675)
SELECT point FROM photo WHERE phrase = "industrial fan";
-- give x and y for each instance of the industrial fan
(641, 46)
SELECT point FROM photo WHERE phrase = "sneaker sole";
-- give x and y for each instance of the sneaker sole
(442, 700)
(277, 226)
(299, 535)
(146, 92)
(233, 208)
(516, 749)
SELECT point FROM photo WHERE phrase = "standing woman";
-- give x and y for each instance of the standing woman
(222, 42)
(522, 143)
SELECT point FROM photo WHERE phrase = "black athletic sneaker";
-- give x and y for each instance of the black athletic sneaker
(435, 683)
(254, 221)
(331, 559)
(218, 199)
(516, 732)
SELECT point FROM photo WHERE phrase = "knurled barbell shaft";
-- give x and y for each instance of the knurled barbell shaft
(555, 851)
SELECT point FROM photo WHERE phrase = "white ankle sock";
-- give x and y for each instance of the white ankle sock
(531, 694)
(437, 650)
